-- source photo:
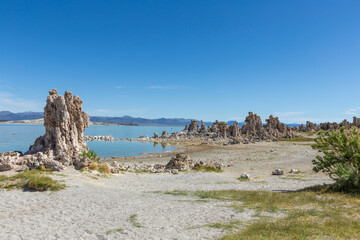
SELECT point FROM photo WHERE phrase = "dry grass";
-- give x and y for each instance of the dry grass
(93, 166)
(104, 168)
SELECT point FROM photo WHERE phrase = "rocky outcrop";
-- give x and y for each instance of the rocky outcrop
(252, 131)
(203, 129)
(234, 130)
(107, 138)
(310, 127)
(63, 141)
(164, 134)
(328, 126)
(275, 129)
(64, 123)
(180, 162)
(356, 122)
(194, 127)
(253, 126)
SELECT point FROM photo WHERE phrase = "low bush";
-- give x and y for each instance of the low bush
(340, 159)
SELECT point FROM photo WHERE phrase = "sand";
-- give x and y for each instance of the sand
(90, 208)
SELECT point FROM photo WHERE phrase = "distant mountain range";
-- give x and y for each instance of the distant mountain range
(9, 116)
(144, 121)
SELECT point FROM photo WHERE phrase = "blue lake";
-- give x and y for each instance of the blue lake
(18, 137)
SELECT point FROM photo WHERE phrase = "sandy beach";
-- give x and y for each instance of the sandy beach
(135, 206)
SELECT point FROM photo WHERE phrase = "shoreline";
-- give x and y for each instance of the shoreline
(92, 205)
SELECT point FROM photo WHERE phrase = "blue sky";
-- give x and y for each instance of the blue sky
(299, 60)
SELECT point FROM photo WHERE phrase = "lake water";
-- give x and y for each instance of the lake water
(18, 137)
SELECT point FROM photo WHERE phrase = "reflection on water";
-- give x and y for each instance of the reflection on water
(163, 145)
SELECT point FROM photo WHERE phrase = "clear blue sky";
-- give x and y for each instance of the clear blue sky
(195, 59)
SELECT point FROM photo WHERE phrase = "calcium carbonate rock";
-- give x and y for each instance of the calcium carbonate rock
(356, 122)
(275, 129)
(294, 171)
(234, 130)
(5, 167)
(194, 127)
(174, 171)
(203, 129)
(253, 126)
(164, 134)
(53, 164)
(278, 172)
(180, 162)
(245, 176)
(64, 123)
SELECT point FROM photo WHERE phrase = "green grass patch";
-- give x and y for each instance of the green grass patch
(315, 213)
(295, 177)
(304, 144)
(177, 193)
(195, 201)
(35, 180)
(207, 169)
(260, 182)
(142, 171)
(134, 221)
(243, 179)
(114, 230)
(227, 226)
(297, 139)
(264, 201)
(226, 183)
(303, 224)
(310, 133)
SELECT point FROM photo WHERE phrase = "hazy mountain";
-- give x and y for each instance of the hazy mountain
(9, 116)
(144, 121)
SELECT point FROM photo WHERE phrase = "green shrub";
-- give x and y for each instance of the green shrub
(91, 154)
(341, 158)
(31, 180)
